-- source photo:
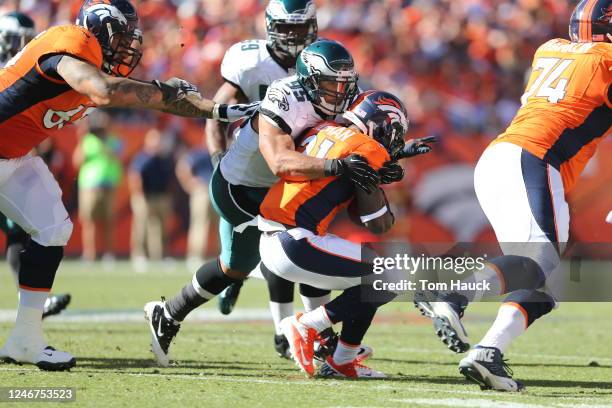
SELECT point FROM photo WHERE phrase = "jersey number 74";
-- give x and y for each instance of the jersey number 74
(550, 81)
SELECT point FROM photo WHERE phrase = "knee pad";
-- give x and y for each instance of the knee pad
(57, 234)
(38, 265)
(534, 304)
(520, 272)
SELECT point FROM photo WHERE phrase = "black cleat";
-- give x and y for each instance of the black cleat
(325, 344)
(229, 297)
(486, 367)
(445, 312)
(163, 330)
(281, 345)
(55, 304)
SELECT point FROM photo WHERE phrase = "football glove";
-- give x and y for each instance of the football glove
(231, 113)
(175, 89)
(414, 147)
(355, 168)
(391, 172)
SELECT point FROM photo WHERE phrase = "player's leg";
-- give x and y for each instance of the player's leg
(548, 233)
(14, 244)
(239, 255)
(139, 232)
(281, 306)
(30, 196)
(512, 188)
(326, 262)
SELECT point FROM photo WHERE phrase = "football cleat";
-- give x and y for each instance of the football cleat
(55, 304)
(301, 342)
(354, 369)
(486, 367)
(446, 317)
(281, 345)
(325, 344)
(229, 297)
(163, 330)
(327, 341)
(20, 349)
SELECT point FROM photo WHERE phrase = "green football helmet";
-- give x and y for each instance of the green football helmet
(326, 70)
(291, 26)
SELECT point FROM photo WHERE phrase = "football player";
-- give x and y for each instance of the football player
(521, 181)
(60, 75)
(248, 68)
(16, 30)
(262, 151)
(295, 244)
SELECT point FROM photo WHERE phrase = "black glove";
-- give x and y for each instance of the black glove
(391, 172)
(175, 89)
(357, 169)
(414, 147)
(231, 113)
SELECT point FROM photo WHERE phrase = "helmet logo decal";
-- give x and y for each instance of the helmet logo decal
(105, 10)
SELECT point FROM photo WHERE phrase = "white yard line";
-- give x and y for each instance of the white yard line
(469, 403)
(129, 316)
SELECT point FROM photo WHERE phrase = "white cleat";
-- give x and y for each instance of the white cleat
(446, 319)
(24, 350)
(353, 369)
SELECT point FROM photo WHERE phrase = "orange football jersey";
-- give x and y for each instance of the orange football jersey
(313, 204)
(34, 104)
(566, 108)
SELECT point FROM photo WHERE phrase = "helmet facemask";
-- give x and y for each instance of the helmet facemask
(16, 30)
(383, 117)
(123, 53)
(288, 38)
(116, 32)
(332, 94)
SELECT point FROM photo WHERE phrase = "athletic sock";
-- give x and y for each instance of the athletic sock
(29, 313)
(316, 319)
(509, 324)
(279, 312)
(345, 353)
(311, 303)
(207, 282)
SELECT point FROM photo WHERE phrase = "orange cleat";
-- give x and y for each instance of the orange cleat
(301, 342)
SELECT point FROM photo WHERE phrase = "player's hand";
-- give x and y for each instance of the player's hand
(357, 169)
(231, 113)
(176, 89)
(415, 147)
(391, 172)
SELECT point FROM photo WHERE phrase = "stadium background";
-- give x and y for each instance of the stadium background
(459, 66)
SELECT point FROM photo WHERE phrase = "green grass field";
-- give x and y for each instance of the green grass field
(565, 359)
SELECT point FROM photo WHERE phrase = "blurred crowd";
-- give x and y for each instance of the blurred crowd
(459, 65)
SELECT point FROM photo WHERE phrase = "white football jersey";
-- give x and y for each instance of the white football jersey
(286, 106)
(249, 66)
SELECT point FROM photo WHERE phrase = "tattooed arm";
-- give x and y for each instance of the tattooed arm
(108, 91)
